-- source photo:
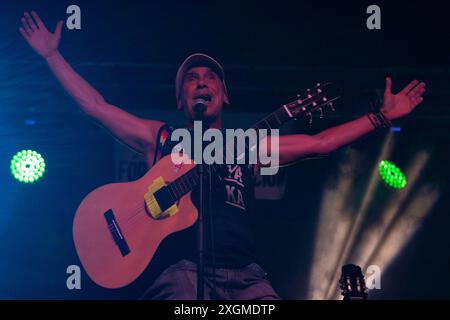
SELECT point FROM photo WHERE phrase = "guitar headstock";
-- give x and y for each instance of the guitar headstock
(352, 283)
(318, 99)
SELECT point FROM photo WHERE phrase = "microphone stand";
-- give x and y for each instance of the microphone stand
(201, 107)
(200, 235)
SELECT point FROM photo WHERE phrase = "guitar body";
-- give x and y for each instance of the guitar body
(115, 260)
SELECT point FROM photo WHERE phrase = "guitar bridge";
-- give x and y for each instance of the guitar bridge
(117, 235)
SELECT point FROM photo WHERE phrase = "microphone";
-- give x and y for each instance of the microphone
(199, 105)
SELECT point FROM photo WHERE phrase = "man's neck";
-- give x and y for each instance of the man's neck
(216, 124)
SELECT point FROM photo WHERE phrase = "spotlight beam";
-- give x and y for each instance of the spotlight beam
(376, 233)
(359, 217)
(374, 240)
(333, 224)
(404, 228)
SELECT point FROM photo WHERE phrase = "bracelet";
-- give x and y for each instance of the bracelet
(379, 120)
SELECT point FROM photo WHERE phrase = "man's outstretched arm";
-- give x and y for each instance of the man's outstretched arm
(137, 133)
(294, 147)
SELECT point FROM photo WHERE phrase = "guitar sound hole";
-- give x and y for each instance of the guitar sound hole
(162, 217)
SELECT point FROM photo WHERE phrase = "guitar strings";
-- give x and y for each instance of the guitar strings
(136, 211)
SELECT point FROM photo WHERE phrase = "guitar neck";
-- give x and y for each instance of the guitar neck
(184, 183)
(274, 120)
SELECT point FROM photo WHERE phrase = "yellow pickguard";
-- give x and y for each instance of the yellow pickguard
(151, 203)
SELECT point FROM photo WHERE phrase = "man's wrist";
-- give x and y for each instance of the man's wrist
(379, 120)
(51, 55)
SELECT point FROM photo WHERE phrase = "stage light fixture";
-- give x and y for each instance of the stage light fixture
(391, 174)
(27, 166)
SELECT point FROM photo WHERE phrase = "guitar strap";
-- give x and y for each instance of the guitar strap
(161, 138)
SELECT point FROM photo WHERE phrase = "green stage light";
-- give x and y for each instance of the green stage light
(392, 175)
(27, 166)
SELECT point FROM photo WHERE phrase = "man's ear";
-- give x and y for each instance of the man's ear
(226, 99)
(179, 104)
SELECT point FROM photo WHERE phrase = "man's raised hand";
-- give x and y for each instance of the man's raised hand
(38, 37)
(400, 104)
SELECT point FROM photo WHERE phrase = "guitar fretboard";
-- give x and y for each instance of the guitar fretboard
(274, 120)
(184, 183)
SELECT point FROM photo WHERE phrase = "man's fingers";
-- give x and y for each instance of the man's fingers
(418, 90)
(38, 20)
(388, 86)
(409, 87)
(416, 100)
(26, 26)
(58, 28)
(30, 21)
(24, 33)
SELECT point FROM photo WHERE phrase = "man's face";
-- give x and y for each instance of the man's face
(202, 82)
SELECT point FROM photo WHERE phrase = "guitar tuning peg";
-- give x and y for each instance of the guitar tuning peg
(331, 106)
(324, 99)
(314, 104)
(309, 96)
(318, 84)
(321, 113)
(319, 90)
(309, 116)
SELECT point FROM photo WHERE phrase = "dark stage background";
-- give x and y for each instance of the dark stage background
(130, 51)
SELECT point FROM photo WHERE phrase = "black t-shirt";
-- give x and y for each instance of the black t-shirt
(229, 236)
